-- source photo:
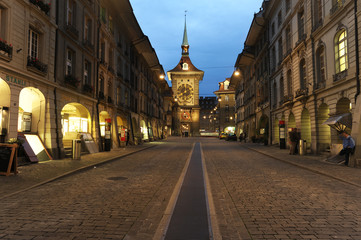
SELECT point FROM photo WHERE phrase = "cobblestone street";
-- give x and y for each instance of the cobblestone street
(255, 196)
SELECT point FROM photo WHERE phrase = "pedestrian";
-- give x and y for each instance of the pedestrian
(294, 139)
(348, 144)
(127, 132)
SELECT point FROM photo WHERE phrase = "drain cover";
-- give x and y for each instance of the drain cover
(117, 178)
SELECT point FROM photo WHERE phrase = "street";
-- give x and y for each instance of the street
(252, 195)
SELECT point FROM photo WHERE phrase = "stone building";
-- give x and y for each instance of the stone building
(226, 107)
(208, 123)
(83, 69)
(313, 69)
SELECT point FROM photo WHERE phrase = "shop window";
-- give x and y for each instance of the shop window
(341, 51)
(33, 44)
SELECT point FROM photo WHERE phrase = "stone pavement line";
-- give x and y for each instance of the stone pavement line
(304, 167)
(164, 223)
(74, 171)
(214, 232)
(190, 215)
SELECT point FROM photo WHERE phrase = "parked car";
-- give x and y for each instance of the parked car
(222, 135)
(231, 137)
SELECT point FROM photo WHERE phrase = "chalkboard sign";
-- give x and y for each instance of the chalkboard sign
(8, 159)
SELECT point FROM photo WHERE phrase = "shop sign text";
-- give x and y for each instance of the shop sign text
(15, 80)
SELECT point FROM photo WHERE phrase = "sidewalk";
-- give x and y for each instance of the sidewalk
(36, 174)
(315, 163)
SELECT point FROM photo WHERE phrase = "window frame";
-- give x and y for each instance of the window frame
(338, 58)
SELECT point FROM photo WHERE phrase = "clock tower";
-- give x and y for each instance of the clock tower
(185, 79)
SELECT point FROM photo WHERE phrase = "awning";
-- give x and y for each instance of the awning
(340, 122)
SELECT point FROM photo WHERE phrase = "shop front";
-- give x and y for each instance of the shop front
(123, 131)
(105, 124)
(144, 131)
(4, 110)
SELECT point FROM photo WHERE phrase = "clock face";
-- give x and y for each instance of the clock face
(186, 116)
(185, 92)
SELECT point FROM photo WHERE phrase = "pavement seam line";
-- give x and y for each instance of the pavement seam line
(167, 215)
(84, 168)
(212, 216)
(306, 168)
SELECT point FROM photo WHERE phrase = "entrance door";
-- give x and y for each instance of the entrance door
(185, 130)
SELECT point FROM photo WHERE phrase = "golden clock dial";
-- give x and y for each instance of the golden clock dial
(185, 93)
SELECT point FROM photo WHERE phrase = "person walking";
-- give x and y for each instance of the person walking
(348, 144)
(294, 139)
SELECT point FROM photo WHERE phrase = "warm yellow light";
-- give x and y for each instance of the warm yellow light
(350, 106)
(162, 76)
(237, 73)
(219, 100)
(231, 118)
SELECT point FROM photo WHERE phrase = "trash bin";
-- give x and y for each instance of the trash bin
(76, 148)
(302, 147)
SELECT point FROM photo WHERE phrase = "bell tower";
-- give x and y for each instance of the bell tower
(185, 79)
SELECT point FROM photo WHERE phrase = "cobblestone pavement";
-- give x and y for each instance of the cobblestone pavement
(259, 197)
(259, 192)
(123, 199)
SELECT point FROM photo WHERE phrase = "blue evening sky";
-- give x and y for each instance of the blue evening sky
(216, 33)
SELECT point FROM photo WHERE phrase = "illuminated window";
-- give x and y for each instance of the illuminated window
(341, 51)
(185, 66)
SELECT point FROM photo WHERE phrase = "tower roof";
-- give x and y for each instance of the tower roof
(185, 36)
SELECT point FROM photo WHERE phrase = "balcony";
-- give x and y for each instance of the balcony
(340, 76)
(71, 81)
(6, 50)
(88, 89)
(321, 85)
(72, 30)
(37, 66)
(45, 7)
(88, 45)
(339, 4)
(287, 99)
(300, 93)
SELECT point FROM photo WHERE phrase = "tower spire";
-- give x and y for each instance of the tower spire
(185, 45)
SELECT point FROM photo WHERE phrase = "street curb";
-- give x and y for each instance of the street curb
(75, 171)
(306, 168)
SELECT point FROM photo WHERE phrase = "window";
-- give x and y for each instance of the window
(71, 12)
(101, 85)
(318, 12)
(273, 56)
(119, 95)
(102, 52)
(288, 5)
(33, 44)
(103, 14)
(273, 29)
(87, 72)
(288, 38)
(341, 51)
(274, 93)
(87, 29)
(301, 24)
(69, 61)
(303, 79)
(111, 61)
(280, 50)
(289, 83)
(320, 63)
(3, 22)
(111, 26)
(279, 18)
(226, 98)
(282, 87)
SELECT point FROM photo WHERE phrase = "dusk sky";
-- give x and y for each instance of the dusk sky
(216, 33)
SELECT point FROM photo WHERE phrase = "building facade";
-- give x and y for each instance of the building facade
(208, 123)
(185, 79)
(226, 107)
(312, 73)
(83, 70)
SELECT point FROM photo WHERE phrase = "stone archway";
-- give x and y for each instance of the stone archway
(324, 131)
(31, 117)
(343, 106)
(306, 126)
(5, 94)
(75, 119)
